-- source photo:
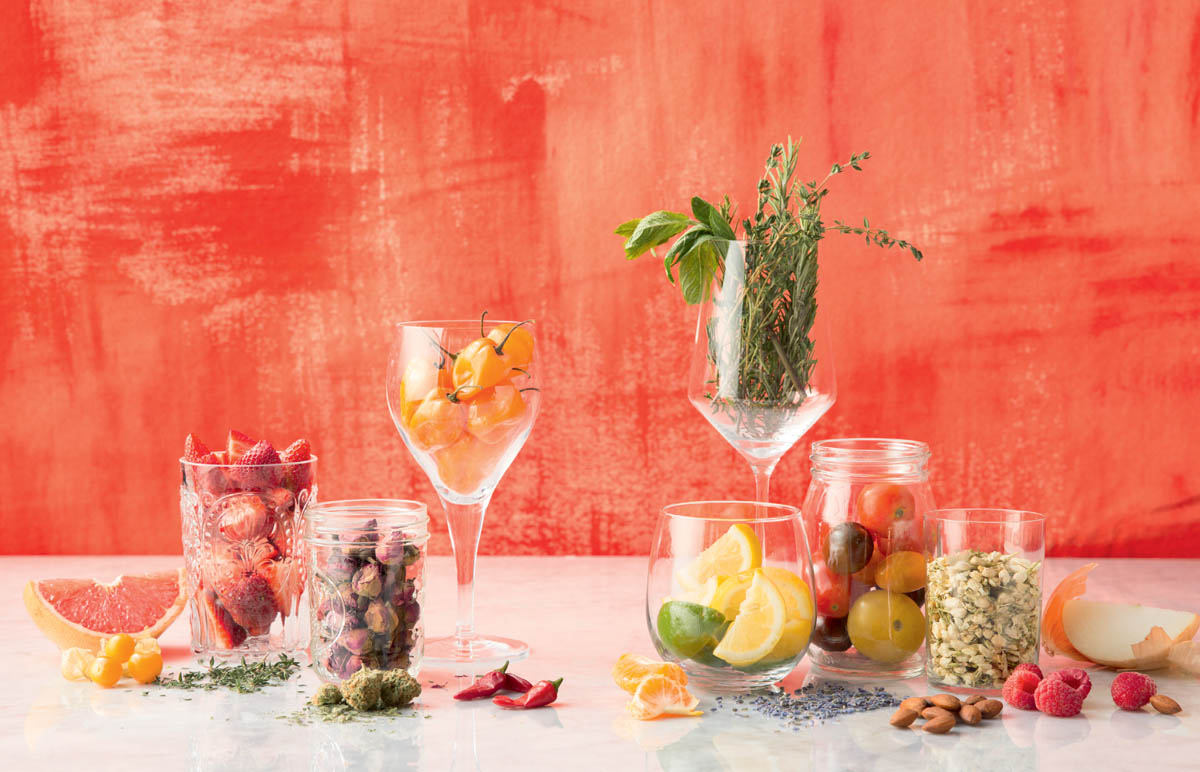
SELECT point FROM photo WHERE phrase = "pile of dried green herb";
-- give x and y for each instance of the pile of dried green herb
(244, 678)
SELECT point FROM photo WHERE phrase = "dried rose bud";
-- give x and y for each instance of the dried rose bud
(411, 554)
(412, 612)
(392, 549)
(351, 666)
(367, 582)
(339, 565)
(356, 640)
(381, 618)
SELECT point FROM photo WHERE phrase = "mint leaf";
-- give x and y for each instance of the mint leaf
(711, 216)
(691, 238)
(654, 229)
(696, 271)
(627, 228)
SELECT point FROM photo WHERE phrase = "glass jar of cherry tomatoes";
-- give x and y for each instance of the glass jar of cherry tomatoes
(863, 516)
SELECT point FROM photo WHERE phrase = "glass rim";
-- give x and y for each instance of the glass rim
(312, 459)
(869, 449)
(418, 323)
(996, 515)
(332, 516)
(793, 512)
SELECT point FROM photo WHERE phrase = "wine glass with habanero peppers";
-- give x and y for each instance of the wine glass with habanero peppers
(464, 398)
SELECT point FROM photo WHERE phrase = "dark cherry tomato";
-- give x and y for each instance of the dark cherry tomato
(883, 505)
(848, 548)
(830, 634)
(918, 596)
(833, 592)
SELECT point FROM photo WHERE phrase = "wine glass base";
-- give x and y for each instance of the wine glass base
(445, 652)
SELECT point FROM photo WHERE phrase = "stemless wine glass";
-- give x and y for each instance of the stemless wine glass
(728, 593)
(760, 373)
(464, 404)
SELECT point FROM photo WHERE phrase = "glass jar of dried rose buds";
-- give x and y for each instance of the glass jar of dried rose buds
(366, 562)
(983, 598)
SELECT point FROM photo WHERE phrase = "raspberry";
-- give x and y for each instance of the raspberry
(1019, 688)
(1075, 678)
(1032, 668)
(1131, 691)
(1055, 697)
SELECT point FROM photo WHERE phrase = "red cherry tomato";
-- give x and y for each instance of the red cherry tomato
(883, 505)
(833, 592)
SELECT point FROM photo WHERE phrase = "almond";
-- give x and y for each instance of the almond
(990, 708)
(903, 717)
(946, 702)
(969, 714)
(915, 704)
(974, 698)
(939, 724)
(933, 712)
(1164, 704)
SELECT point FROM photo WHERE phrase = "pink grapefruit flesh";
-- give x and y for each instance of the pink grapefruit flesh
(79, 612)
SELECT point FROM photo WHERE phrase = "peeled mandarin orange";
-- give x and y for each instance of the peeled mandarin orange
(631, 669)
(658, 696)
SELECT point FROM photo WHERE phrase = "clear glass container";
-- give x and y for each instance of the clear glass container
(984, 598)
(863, 515)
(241, 546)
(728, 592)
(366, 585)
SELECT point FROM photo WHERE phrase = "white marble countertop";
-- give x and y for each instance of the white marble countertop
(578, 614)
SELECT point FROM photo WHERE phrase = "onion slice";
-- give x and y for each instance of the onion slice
(1054, 637)
(1123, 635)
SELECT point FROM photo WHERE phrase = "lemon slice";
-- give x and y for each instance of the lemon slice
(731, 592)
(796, 633)
(705, 593)
(758, 626)
(796, 594)
(737, 550)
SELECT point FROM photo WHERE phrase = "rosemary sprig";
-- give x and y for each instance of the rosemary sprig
(244, 678)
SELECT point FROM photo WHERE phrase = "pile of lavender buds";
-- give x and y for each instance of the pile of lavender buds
(376, 607)
(811, 704)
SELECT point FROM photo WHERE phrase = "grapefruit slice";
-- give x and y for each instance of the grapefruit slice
(79, 612)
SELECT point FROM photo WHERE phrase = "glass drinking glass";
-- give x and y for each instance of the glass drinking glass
(244, 555)
(464, 411)
(760, 373)
(366, 560)
(984, 597)
(863, 514)
(728, 592)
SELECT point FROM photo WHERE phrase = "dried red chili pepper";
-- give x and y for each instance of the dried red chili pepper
(541, 693)
(486, 685)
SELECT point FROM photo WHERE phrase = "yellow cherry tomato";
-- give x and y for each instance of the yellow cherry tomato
(494, 412)
(118, 648)
(515, 344)
(476, 368)
(436, 423)
(104, 671)
(144, 668)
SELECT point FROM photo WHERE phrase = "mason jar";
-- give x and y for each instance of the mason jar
(366, 562)
(863, 516)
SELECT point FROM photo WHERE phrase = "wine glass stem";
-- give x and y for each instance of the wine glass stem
(762, 480)
(465, 521)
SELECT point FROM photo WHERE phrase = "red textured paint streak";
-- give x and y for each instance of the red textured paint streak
(210, 214)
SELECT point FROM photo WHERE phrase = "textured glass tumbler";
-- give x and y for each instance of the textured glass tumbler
(244, 555)
(984, 597)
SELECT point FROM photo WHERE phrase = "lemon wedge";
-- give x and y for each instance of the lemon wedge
(729, 594)
(796, 633)
(736, 551)
(796, 594)
(758, 626)
(705, 593)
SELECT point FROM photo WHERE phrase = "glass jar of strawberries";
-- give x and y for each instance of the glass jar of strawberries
(863, 517)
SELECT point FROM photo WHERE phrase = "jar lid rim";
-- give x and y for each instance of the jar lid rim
(869, 449)
(394, 513)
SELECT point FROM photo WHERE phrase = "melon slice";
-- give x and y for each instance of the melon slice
(79, 612)
(1123, 635)
(1054, 638)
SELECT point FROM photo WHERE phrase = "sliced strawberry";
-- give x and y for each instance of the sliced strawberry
(245, 518)
(238, 444)
(218, 622)
(299, 450)
(251, 601)
(194, 450)
(286, 579)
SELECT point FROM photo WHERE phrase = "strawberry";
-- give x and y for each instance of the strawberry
(286, 580)
(195, 451)
(238, 444)
(227, 633)
(298, 451)
(255, 468)
(251, 602)
(245, 518)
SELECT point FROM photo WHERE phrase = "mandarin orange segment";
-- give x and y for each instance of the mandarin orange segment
(1054, 636)
(658, 696)
(631, 669)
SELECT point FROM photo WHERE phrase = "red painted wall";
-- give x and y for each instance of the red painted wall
(210, 212)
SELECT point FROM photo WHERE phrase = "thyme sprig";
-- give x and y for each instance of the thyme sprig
(244, 678)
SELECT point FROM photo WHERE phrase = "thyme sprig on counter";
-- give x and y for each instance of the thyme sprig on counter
(244, 678)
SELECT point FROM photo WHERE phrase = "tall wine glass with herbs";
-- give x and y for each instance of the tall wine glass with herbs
(464, 399)
(762, 363)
